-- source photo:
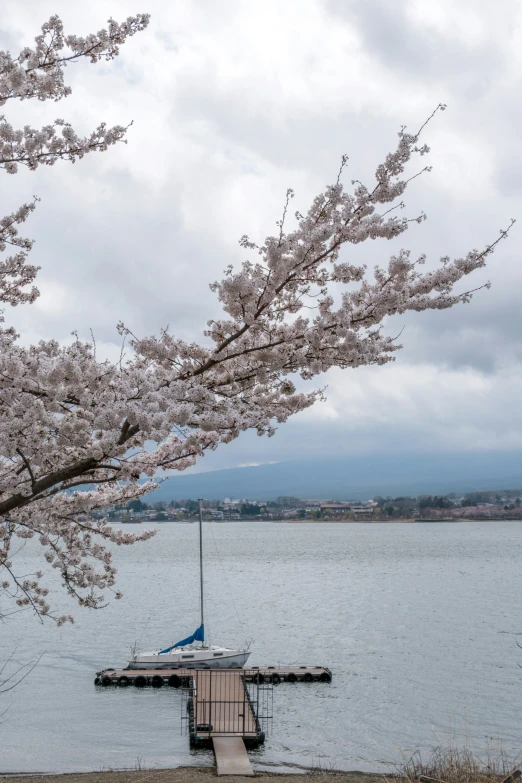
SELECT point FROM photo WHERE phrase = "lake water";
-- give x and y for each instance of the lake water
(418, 623)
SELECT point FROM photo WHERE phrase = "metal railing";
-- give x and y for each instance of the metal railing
(222, 702)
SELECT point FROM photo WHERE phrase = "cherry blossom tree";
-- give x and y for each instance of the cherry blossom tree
(78, 434)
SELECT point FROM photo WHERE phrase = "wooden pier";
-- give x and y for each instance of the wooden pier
(225, 708)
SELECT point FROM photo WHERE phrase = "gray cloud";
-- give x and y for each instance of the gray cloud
(418, 49)
(232, 105)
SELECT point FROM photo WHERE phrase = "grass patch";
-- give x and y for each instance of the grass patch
(453, 765)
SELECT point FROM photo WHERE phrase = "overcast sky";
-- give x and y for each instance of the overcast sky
(234, 101)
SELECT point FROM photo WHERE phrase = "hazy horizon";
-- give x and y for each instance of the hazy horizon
(356, 478)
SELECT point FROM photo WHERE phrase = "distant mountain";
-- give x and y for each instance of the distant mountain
(357, 478)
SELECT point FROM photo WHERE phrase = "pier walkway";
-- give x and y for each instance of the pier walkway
(229, 703)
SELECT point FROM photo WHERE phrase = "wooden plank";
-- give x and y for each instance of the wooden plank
(220, 702)
(231, 756)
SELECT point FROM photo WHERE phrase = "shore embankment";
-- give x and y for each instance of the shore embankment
(197, 775)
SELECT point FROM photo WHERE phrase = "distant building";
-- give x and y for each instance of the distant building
(366, 511)
(335, 508)
(338, 509)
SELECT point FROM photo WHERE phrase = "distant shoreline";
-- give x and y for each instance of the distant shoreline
(388, 521)
(323, 521)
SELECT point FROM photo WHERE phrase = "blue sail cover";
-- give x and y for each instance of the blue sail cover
(197, 636)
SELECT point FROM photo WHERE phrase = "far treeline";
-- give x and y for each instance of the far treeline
(507, 500)
(497, 504)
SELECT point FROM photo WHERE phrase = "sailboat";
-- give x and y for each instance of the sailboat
(185, 654)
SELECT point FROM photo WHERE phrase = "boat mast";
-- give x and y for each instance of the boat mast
(200, 501)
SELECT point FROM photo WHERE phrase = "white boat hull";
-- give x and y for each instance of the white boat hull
(191, 659)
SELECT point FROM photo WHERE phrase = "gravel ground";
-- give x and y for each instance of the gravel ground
(195, 775)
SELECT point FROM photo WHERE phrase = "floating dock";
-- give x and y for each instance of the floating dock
(226, 709)
(177, 678)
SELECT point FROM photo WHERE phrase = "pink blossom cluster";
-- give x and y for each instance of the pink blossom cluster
(39, 73)
(76, 432)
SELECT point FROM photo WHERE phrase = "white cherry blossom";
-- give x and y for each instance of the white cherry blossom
(76, 432)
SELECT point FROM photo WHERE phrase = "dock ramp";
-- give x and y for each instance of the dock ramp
(231, 756)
